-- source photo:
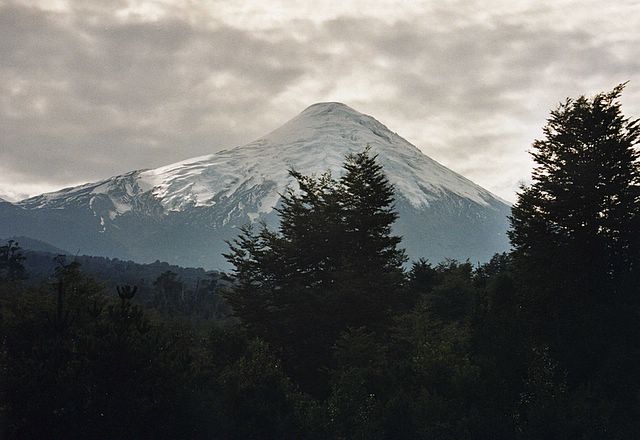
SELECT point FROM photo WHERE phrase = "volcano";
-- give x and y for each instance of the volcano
(182, 213)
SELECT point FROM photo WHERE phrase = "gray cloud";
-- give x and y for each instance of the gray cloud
(87, 92)
(96, 97)
(476, 94)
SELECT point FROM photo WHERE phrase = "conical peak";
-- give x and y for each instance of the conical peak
(327, 107)
(327, 119)
(324, 110)
(314, 141)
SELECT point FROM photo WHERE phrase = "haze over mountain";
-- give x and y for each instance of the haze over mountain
(183, 212)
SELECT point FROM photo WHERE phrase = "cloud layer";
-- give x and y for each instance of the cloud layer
(90, 89)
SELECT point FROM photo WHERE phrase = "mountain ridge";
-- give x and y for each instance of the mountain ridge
(217, 193)
(302, 129)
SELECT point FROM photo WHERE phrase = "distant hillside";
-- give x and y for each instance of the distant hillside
(35, 245)
(170, 289)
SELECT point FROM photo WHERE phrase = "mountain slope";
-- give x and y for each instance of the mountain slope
(28, 243)
(183, 212)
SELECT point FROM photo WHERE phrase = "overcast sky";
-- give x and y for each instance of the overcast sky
(95, 88)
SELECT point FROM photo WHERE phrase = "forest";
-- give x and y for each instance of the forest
(324, 330)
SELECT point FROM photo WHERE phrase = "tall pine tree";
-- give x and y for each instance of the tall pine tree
(575, 234)
(333, 264)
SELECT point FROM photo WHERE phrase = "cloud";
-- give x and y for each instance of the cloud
(474, 94)
(90, 89)
(87, 94)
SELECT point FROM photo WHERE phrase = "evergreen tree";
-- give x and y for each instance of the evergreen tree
(586, 186)
(373, 263)
(169, 291)
(11, 262)
(575, 237)
(333, 264)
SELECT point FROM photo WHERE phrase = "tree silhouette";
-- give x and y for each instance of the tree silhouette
(333, 264)
(575, 236)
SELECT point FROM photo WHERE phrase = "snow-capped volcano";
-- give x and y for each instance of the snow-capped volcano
(183, 212)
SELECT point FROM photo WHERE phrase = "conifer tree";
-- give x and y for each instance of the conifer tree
(11, 262)
(575, 233)
(333, 264)
(375, 259)
(586, 185)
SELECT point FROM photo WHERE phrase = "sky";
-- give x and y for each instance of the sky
(94, 88)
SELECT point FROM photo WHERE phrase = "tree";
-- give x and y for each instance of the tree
(585, 186)
(11, 262)
(90, 366)
(575, 236)
(373, 261)
(169, 290)
(333, 264)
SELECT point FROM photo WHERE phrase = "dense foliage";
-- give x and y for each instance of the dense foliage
(575, 233)
(334, 338)
(332, 265)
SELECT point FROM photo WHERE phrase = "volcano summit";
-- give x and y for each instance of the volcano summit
(183, 213)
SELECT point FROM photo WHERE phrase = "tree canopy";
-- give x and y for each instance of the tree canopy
(333, 264)
(575, 233)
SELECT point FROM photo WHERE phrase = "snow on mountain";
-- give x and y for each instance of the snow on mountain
(315, 141)
(106, 199)
(166, 212)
